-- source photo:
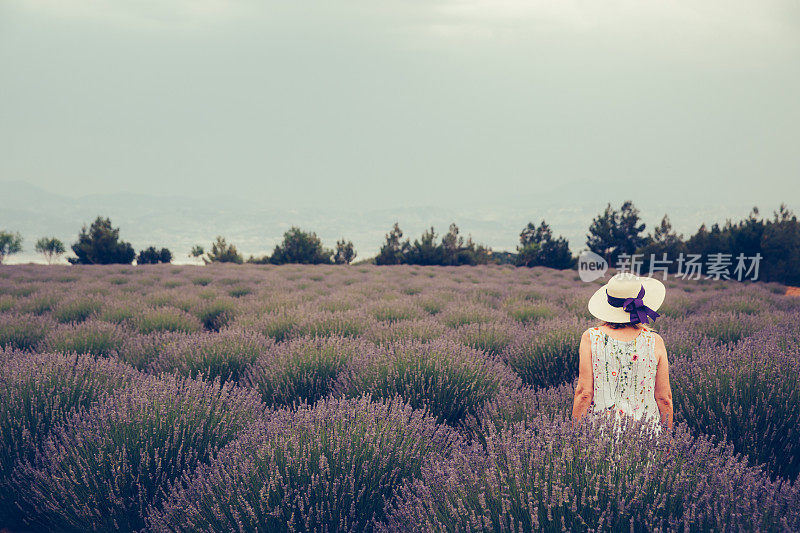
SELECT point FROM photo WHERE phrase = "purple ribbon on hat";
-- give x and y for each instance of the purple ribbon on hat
(640, 313)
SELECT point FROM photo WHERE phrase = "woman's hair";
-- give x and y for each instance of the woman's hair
(620, 325)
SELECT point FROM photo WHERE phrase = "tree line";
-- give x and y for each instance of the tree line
(619, 234)
(100, 244)
(614, 234)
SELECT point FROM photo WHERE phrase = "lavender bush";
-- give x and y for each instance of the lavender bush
(38, 304)
(37, 392)
(461, 314)
(546, 356)
(7, 303)
(433, 304)
(548, 476)
(216, 314)
(493, 338)
(304, 369)
(278, 325)
(103, 469)
(343, 324)
(725, 327)
(526, 311)
(143, 351)
(76, 309)
(326, 468)
(166, 319)
(426, 329)
(511, 406)
(90, 337)
(748, 396)
(446, 378)
(225, 355)
(395, 310)
(22, 332)
(124, 312)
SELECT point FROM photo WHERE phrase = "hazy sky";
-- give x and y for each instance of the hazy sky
(378, 102)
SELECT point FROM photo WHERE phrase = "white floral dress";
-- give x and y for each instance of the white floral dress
(625, 375)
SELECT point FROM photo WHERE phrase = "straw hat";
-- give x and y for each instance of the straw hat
(628, 298)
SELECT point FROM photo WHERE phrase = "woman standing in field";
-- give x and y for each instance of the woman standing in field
(623, 364)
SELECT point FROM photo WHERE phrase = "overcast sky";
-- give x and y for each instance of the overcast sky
(382, 102)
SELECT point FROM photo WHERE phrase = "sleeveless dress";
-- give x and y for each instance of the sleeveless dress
(625, 375)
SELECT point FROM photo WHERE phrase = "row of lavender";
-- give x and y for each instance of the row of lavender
(325, 398)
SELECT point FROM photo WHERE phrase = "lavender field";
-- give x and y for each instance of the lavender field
(326, 398)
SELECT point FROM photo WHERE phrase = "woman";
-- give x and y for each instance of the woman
(623, 364)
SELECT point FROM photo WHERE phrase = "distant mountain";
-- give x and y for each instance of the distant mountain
(254, 226)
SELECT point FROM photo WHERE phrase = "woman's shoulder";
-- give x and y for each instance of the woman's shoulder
(653, 335)
(649, 330)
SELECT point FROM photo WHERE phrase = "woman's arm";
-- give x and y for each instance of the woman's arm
(663, 392)
(584, 392)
